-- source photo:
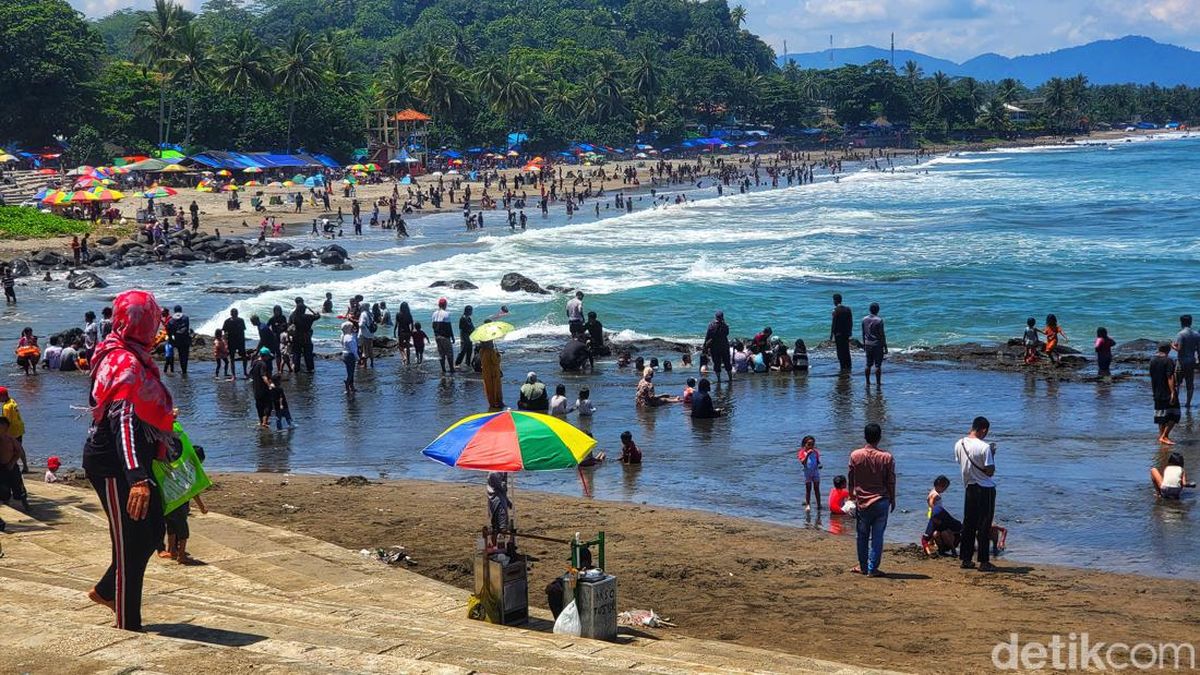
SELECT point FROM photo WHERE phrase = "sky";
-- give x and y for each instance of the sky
(961, 29)
(952, 29)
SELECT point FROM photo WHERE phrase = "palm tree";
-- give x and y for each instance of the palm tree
(939, 93)
(298, 72)
(1077, 93)
(192, 63)
(604, 98)
(646, 76)
(489, 78)
(437, 82)
(971, 91)
(737, 16)
(1057, 106)
(995, 116)
(560, 100)
(462, 49)
(518, 95)
(337, 68)
(912, 74)
(154, 43)
(1008, 90)
(810, 85)
(392, 86)
(791, 72)
(240, 69)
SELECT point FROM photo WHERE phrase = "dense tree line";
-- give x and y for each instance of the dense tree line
(302, 74)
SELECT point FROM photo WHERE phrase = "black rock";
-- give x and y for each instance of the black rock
(232, 252)
(456, 284)
(174, 283)
(96, 256)
(302, 254)
(514, 282)
(106, 241)
(335, 247)
(332, 258)
(341, 268)
(46, 258)
(275, 248)
(68, 336)
(243, 290)
(19, 267)
(560, 289)
(86, 280)
(128, 246)
(184, 255)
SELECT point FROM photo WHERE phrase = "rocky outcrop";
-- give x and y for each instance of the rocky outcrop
(514, 282)
(454, 284)
(243, 290)
(80, 281)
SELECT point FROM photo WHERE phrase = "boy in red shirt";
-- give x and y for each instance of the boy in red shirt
(838, 495)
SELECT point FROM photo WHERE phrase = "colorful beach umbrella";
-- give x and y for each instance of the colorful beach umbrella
(158, 192)
(298, 178)
(56, 197)
(5, 158)
(46, 172)
(251, 183)
(356, 167)
(229, 187)
(252, 169)
(371, 167)
(492, 330)
(175, 168)
(83, 196)
(105, 195)
(510, 441)
(288, 183)
(224, 172)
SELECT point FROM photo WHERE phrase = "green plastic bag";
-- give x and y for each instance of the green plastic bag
(182, 478)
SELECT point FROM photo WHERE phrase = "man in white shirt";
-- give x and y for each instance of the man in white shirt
(53, 355)
(575, 313)
(977, 459)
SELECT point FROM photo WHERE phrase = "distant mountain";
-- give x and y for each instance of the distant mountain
(1132, 58)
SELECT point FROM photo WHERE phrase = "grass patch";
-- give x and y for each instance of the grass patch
(23, 222)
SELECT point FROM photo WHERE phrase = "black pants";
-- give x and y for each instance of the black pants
(303, 351)
(12, 485)
(979, 507)
(182, 351)
(464, 355)
(843, 350)
(133, 542)
(445, 353)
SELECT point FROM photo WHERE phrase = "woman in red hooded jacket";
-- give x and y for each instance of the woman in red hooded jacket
(132, 422)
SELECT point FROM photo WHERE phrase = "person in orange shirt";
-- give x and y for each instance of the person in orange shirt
(1053, 332)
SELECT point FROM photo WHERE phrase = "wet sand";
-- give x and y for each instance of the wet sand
(744, 581)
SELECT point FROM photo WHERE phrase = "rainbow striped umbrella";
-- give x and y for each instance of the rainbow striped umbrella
(510, 441)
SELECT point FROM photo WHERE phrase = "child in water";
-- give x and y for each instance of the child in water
(280, 404)
(584, 403)
(220, 353)
(689, 390)
(1031, 341)
(419, 338)
(558, 402)
(800, 356)
(1170, 481)
(839, 497)
(1104, 345)
(1053, 333)
(630, 453)
(810, 461)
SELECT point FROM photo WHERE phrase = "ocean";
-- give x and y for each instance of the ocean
(955, 249)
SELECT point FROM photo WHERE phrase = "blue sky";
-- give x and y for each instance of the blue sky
(954, 29)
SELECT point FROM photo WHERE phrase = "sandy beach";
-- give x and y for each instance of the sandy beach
(756, 584)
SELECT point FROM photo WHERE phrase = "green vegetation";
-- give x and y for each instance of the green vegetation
(303, 74)
(22, 221)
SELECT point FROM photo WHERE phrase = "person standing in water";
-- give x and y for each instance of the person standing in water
(575, 313)
(489, 363)
(1166, 393)
(840, 330)
(443, 334)
(466, 326)
(716, 344)
(1187, 350)
(874, 343)
(977, 460)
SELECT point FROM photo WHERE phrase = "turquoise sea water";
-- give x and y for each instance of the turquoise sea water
(956, 249)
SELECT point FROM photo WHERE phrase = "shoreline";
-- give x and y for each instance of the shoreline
(777, 586)
(10, 248)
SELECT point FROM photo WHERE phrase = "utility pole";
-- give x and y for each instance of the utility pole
(831, 50)
(893, 51)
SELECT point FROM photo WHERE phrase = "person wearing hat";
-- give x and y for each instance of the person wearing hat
(716, 345)
(52, 465)
(443, 334)
(533, 395)
(260, 378)
(16, 425)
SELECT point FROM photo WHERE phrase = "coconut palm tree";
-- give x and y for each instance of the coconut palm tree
(604, 98)
(971, 91)
(462, 49)
(560, 100)
(518, 94)
(489, 78)
(646, 76)
(338, 69)
(938, 96)
(1057, 106)
(995, 116)
(737, 16)
(298, 72)
(154, 43)
(1008, 90)
(912, 74)
(192, 63)
(393, 89)
(438, 83)
(241, 70)
(810, 85)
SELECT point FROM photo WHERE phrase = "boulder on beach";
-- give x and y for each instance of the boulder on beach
(514, 282)
(86, 280)
(19, 267)
(46, 258)
(107, 241)
(233, 250)
(455, 284)
(298, 254)
(128, 246)
(560, 289)
(68, 336)
(332, 258)
(184, 255)
(343, 267)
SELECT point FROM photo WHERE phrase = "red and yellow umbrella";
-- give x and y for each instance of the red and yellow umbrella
(82, 196)
(511, 441)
